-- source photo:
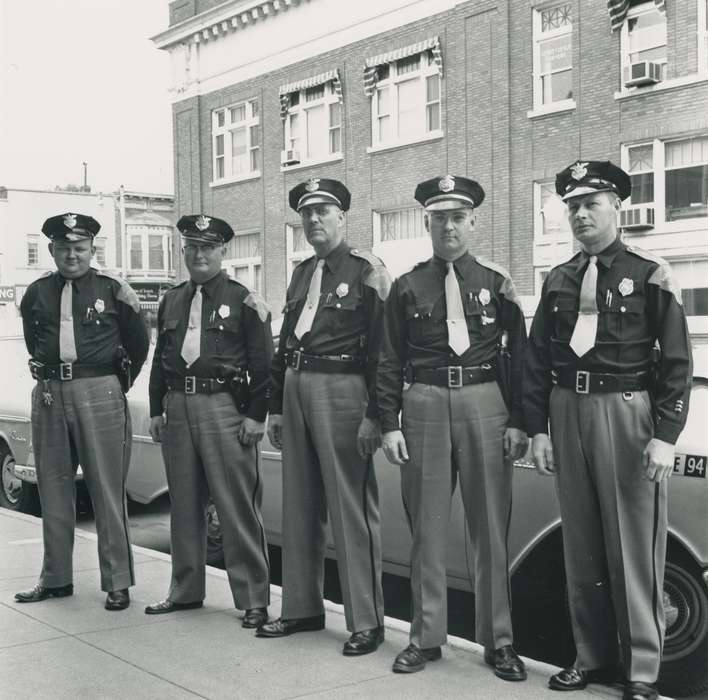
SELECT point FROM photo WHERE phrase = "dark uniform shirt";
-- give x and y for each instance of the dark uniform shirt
(106, 315)
(236, 335)
(415, 328)
(638, 303)
(348, 320)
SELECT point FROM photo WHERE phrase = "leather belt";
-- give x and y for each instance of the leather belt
(453, 377)
(582, 382)
(348, 364)
(66, 371)
(198, 385)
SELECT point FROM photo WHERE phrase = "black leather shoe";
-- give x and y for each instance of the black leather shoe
(507, 664)
(283, 628)
(254, 617)
(363, 642)
(167, 606)
(40, 592)
(117, 600)
(572, 678)
(413, 658)
(636, 690)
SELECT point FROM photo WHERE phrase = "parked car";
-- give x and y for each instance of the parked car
(535, 544)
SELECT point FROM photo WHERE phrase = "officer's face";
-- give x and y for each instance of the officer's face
(72, 258)
(203, 260)
(450, 231)
(593, 219)
(323, 225)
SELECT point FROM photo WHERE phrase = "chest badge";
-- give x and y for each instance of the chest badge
(626, 286)
(484, 296)
(342, 290)
(99, 305)
(224, 311)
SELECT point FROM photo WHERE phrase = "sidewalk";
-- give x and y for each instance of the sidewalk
(73, 648)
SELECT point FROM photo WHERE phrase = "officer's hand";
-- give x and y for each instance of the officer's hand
(275, 430)
(394, 447)
(251, 431)
(368, 439)
(157, 427)
(658, 459)
(542, 452)
(515, 443)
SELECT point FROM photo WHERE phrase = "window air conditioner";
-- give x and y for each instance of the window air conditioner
(637, 218)
(642, 73)
(289, 157)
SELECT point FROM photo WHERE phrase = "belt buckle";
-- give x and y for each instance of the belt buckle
(454, 377)
(190, 385)
(296, 357)
(66, 371)
(582, 382)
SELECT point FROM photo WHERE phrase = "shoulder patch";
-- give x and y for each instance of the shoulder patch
(125, 292)
(256, 302)
(507, 286)
(377, 277)
(662, 277)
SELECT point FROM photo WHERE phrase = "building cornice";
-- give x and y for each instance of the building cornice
(222, 20)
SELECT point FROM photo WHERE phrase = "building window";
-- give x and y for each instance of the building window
(313, 122)
(641, 173)
(406, 103)
(553, 238)
(236, 141)
(297, 248)
(136, 252)
(401, 224)
(32, 251)
(401, 238)
(643, 39)
(100, 246)
(243, 260)
(686, 174)
(552, 56)
(156, 254)
(149, 249)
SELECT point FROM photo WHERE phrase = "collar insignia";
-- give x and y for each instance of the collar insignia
(202, 222)
(579, 170)
(446, 184)
(313, 184)
(70, 220)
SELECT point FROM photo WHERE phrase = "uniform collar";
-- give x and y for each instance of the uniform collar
(460, 264)
(79, 283)
(335, 257)
(210, 286)
(606, 257)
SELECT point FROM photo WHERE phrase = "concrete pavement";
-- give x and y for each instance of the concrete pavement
(73, 648)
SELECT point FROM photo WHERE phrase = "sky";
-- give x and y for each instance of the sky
(80, 80)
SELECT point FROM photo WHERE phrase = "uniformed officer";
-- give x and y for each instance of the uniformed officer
(613, 423)
(443, 324)
(324, 415)
(208, 406)
(83, 330)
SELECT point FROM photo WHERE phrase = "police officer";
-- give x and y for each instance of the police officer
(443, 325)
(208, 406)
(613, 428)
(82, 329)
(324, 415)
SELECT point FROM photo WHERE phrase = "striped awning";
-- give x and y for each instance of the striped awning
(618, 11)
(149, 305)
(371, 65)
(286, 90)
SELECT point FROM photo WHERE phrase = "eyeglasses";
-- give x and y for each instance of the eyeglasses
(206, 248)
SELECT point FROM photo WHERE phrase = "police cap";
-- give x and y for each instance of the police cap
(70, 227)
(588, 176)
(449, 192)
(319, 190)
(204, 229)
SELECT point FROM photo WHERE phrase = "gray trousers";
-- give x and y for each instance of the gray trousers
(88, 423)
(322, 471)
(451, 432)
(614, 529)
(203, 456)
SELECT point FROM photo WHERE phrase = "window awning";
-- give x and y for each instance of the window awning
(286, 90)
(618, 11)
(372, 64)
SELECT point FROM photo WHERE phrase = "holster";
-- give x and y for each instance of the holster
(238, 385)
(122, 364)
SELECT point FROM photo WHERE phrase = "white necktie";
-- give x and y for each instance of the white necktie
(457, 334)
(193, 336)
(583, 338)
(67, 341)
(307, 315)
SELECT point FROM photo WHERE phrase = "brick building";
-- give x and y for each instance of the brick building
(382, 95)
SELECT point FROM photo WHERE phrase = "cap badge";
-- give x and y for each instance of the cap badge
(579, 170)
(99, 305)
(342, 290)
(70, 220)
(484, 296)
(626, 286)
(202, 222)
(446, 184)
(224, 311)
(313, 184)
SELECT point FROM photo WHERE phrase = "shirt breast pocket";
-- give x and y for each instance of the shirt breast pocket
(625, 320)
(222, 335)
(420, 321)
(565, 314)
(339, 312)
(481, 319)
(93, 322)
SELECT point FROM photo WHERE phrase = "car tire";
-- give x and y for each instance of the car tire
(15, 494)
(215, 546)
(683, 669)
